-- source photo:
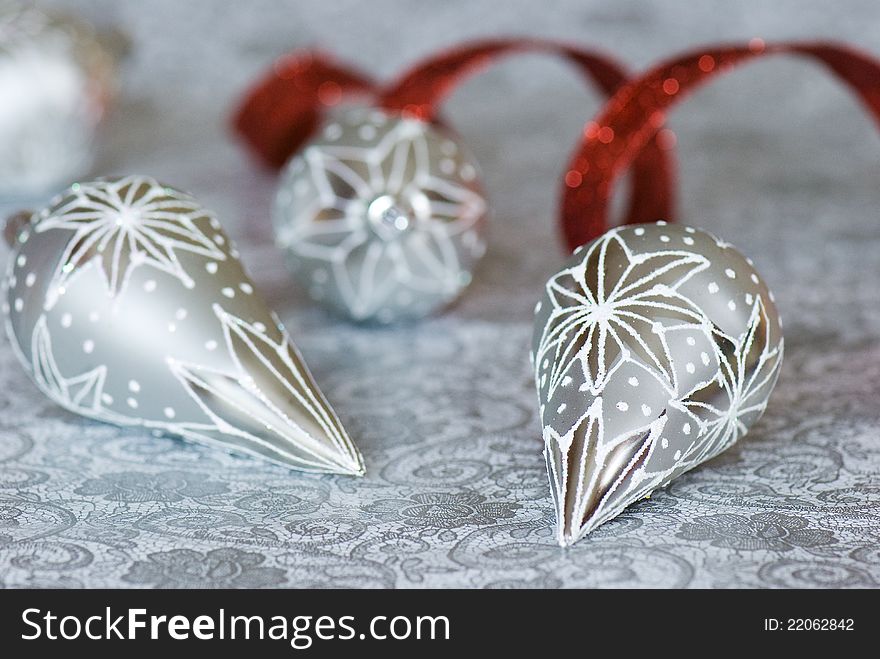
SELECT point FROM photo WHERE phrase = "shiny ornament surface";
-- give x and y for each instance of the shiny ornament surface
(127, 303)
(656, 347)
(382, 217)
(56, 80)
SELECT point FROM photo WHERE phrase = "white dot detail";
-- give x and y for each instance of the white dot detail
(19, 304)
(21, 261)
(180, 314)
(66, 320)
(228, 292)
(731, 305)
(646, 410)
(713, 287)
(150, 285)
(704, 357)
(730, 273)
(211, 345)
(561, 408)
(686, 429)
(690, 368)
(623, 406)
(134, 386)
(640, 231)
(633, 381)
(169, 412)
(88, 346)
(131, 402)
(30, 279)
(566, 381)
(211, 267)
(691, 341)
(246, 288)
(664, 443)
(754, 278)
(664, 238)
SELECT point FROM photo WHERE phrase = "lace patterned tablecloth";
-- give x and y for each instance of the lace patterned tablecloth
(777, 159)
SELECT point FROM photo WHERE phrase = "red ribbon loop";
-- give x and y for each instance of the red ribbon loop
(630, 122)
(286, 106)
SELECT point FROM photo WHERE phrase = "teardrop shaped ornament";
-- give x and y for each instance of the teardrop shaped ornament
(127, 303)
(656, 347)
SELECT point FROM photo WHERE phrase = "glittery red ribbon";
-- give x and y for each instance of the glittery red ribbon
(287, 105)
(284, 108)
(632, 121)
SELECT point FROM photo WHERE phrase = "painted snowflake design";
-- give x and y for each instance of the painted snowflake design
(601, 319)
(126, 223)
(749, 368)
(383, 215)
(636, 378)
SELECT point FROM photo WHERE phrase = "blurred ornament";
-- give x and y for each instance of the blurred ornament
(382, 217)
(656, 347)
(56, 81)
(127, 303)
(382, 214)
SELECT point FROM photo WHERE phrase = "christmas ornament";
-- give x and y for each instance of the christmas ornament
(656, 347)
(127, 303)
(382, 217)
(382, 214)
(56, 80)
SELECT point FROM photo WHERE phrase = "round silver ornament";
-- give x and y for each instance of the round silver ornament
(656, 347)
(127, 303)
(382, 217)
(56, 80)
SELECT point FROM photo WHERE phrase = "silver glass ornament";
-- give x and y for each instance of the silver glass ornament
(381, 217)
(56, 80)
(656, 347)
(127, 303)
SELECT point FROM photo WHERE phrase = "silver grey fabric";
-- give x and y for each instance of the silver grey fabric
(777, 159)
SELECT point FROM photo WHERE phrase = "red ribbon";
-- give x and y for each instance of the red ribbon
(286, 106)
(630, 122)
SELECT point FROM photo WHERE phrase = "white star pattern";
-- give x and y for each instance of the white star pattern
(749, 366)
(595, 323)
(123, 224)
(382, 224)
